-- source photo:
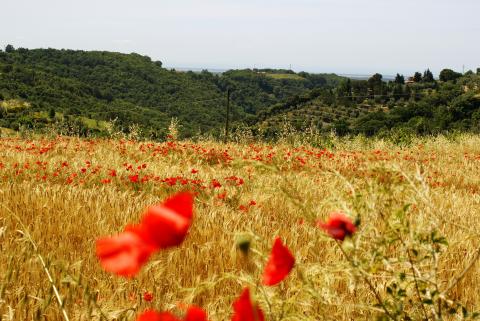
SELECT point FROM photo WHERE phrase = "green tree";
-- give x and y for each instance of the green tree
(417, 77)
(449, 75)
(9, 48)
(51, 113)
(341, 127)
(375, 84)
(345, 88)
(428, 76)
(399, 79)
(398, 91)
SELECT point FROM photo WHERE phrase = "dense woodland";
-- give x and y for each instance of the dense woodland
(41, 88)
(419, 105)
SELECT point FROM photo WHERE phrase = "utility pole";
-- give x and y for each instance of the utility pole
(227, 122)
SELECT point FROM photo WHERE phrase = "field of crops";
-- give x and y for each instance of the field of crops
(413, 252)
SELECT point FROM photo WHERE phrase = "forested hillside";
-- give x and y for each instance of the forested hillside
(420, 105)
(106, 85)
(42, 86)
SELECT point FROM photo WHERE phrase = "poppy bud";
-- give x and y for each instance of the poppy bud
(243, 243)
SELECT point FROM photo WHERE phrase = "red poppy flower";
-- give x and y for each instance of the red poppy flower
(133, 178)
(193, 314)
(338, 226)
(279, 264)
(163, 226)
(216, 184)
(196, 314)
(166, 225)
(123, 254)
(147, 296)
(244, 310)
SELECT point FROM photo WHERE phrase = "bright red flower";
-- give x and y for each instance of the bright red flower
(195, 314)
(338, 226)
(244, 310)
(133, 178)
(216, 184)
(148, 296)
(194, 171)
(279, 264)
(166, 225)
(123, 254)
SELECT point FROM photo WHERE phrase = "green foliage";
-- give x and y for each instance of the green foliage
(9, 49)
(375, 107)
(428, 76)
(417, 77)
(133, 89)
(449, 75)
(399, 79)
(106, 86)
(256, 90)
(45, 86)
(51, 113)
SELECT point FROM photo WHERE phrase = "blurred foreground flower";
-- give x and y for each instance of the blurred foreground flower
(244, 310)
(279, 264)
(123, 254)
(193, 314)
(338, 226)
(164, 225)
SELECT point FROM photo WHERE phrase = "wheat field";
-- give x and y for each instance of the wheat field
(59, 194)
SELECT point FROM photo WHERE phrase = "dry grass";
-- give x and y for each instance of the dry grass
(65, 214)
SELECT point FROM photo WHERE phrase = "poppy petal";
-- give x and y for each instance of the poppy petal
(196, 314)
(164, 227)
(181, 203)
(151, 315)
(244, 310)
(123, 254)
(279, 265)
(338, 226)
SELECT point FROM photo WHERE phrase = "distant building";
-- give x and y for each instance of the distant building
(410, 80)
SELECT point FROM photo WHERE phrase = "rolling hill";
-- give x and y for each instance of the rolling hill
(88, 87)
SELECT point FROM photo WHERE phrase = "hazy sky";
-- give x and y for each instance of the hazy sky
(343, 36)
